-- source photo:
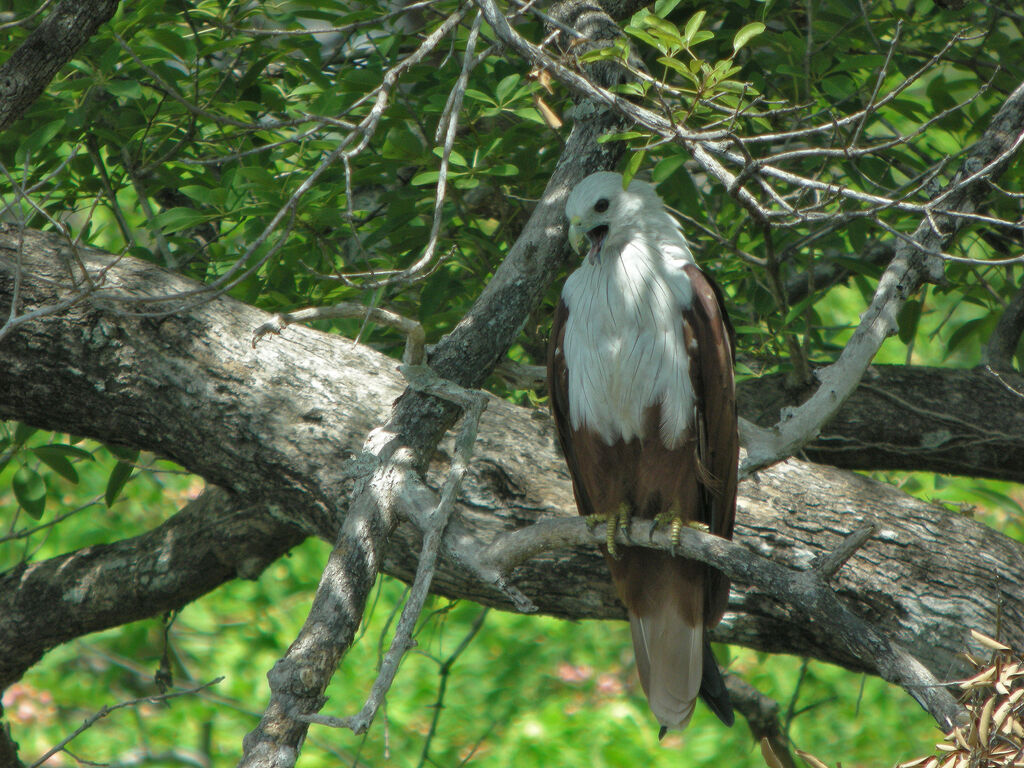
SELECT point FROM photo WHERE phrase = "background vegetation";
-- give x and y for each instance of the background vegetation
(187, 133)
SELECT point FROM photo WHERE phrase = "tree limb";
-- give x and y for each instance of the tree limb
(912, 418)
(51, 45)
(278, 426)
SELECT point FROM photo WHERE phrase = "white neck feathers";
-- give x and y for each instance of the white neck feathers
(623, 343)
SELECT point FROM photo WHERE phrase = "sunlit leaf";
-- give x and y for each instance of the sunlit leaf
(745, 35)
(692, 26)
(632, 167)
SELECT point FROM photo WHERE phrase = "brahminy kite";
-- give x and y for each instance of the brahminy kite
(640, 371)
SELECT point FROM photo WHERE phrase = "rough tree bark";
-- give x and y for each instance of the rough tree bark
(275, 426)
(961, 422)
(50, 46)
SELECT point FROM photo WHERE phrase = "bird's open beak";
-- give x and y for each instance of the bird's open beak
(595, 236)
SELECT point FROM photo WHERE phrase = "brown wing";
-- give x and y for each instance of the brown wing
(558, 392)
(717, 435)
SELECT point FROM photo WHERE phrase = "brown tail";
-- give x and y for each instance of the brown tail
(665, 599)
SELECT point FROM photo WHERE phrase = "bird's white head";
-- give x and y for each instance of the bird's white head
(598, 205)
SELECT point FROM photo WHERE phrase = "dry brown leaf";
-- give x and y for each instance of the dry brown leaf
(770, 758)
(811, 760)
(988, 642)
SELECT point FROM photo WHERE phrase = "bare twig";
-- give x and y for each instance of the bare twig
(447, 128)
(828, 565)
(106, 710)
(414, 333)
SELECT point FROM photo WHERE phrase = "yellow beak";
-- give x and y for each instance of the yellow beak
(575, 235)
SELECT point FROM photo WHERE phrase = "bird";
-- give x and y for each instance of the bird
(641, 385)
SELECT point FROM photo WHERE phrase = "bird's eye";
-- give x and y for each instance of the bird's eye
(601, 205)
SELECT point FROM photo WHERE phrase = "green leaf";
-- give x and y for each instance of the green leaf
(798, 309)
(177, 219)
(118, 477)
(608, 52)
(124, 89)
(632, 167)
(640, 34)
(480, 96)
(503, 169)
(666, 30)
(908, 318)
(692, 26)
(966, 331)
(663, 8)
(30, 491)
(71, 451)
(505, 87)
(454, 157)
(57, 461)
(745, 35)
(23, 432)
(42, 136)
(425, 177)
(620, 136)
(666, 168)
(678, 66)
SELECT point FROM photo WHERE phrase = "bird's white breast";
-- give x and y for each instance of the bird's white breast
(623, 343)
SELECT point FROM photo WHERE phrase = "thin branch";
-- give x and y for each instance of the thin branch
(415, 336)
(443, 673)
(106, 710)
(447, 127)
(364, 131)
(473, 403)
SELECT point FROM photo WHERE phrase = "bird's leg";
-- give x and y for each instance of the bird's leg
(619, 520)
(613, 522)
(673, 518)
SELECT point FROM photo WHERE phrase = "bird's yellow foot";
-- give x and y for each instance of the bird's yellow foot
(613, 522)
(676, 524)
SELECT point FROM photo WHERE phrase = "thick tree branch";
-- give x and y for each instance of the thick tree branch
(911, 418)
(214, 539)
(51, 45)
(276, 426)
